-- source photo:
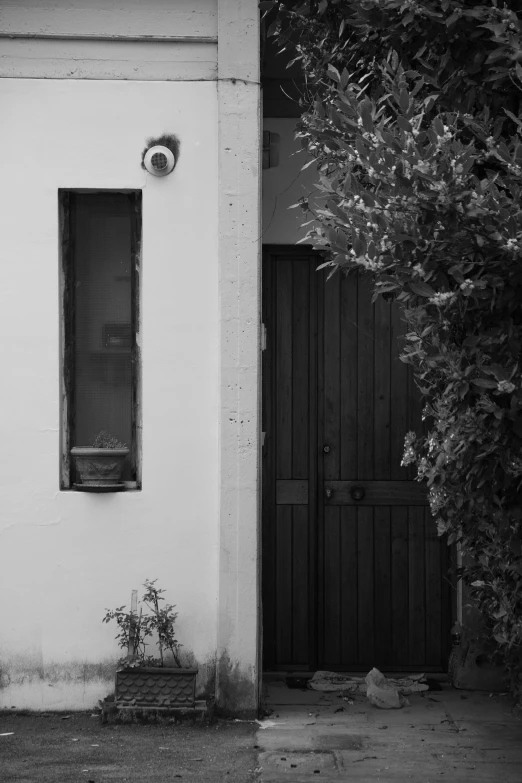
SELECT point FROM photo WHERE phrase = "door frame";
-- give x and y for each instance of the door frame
(316, 509)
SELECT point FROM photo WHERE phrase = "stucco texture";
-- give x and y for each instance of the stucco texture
(65, 556)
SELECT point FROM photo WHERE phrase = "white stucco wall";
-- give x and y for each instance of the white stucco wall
(66, 556)
(158, 40)
(110, 17)
(284, 185)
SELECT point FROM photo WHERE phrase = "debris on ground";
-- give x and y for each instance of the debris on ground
(409, 683)
(334, 681)
(268, 724)
(383, 692)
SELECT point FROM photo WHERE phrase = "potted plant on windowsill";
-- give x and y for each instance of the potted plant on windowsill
(101, 465)
(148, 681)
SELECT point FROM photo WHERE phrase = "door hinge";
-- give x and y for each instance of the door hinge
(263, 337)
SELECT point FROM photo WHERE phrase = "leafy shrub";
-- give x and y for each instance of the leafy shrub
(135, 629)
(104, 440)
(412, 112)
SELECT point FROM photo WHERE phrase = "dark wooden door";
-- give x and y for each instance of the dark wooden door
(354, 574)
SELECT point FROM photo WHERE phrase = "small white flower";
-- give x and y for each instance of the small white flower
(442, 298)
(442, 526)
(467, 286)
(512, 244)
(423, 166)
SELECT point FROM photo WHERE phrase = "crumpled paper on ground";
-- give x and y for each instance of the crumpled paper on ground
(381, 691)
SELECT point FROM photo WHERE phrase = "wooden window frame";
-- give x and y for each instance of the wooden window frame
(67, 315)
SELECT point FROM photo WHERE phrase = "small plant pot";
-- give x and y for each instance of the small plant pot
(99, 469)
(473, 670)
(156, 688)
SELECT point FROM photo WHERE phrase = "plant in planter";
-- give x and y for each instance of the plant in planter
(101, 465)
(143, 680)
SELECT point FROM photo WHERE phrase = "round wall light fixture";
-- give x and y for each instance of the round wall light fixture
(160, 155)
(159, 161)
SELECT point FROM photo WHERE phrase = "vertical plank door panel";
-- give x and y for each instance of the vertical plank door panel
(433, 554)
(348, 375)
(283, 379)
(284, 571)
(313, 457)
(417, 586)
(349, 584)
(382, 391)
(331, 461)
(332, 608)
(383, 607)
(448, 588)
(365, 381)
(331, 378)
(321, 592)
(366, 585)
(400, 586)
(300, 577)
(300, 373)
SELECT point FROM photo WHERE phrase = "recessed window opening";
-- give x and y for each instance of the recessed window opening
(101, 233)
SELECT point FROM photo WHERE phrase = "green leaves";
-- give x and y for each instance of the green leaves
(484, 383)
(365, 112)
(333, 73)
(135, 629)
(422, 289)
(403, 124)
(414, 122)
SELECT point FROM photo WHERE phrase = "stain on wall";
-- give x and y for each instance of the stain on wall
(236, 690)
(78, 684)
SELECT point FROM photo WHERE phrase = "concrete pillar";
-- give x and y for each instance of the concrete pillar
(237, 686)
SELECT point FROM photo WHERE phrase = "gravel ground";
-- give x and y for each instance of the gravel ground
(57, 749)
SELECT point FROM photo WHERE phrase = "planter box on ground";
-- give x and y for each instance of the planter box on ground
(156, 687)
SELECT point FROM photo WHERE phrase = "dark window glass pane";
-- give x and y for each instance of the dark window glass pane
(102, 329)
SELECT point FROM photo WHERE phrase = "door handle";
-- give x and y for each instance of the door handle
(328, 493)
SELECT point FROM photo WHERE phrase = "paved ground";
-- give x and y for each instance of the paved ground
(51, 749)
(447, 735)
